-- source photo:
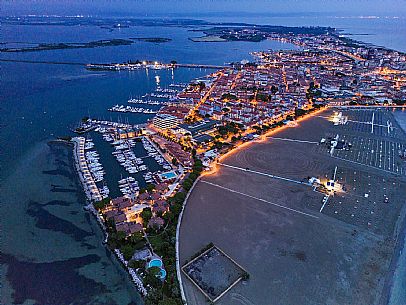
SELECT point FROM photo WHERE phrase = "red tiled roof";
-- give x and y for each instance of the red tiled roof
(122, 227)
(134, 227)
(120, 218)
(156, 221)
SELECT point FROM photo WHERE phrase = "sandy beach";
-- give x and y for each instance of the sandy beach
(297, 250)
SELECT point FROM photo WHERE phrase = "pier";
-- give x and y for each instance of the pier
(200, 66)
(115, 66)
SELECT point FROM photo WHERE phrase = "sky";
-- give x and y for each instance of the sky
(201, 7)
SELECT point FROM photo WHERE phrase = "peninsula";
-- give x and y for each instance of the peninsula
(291, 166)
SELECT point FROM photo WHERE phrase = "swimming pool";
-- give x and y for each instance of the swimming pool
(156, 262)
(168, 175)
(162, 274)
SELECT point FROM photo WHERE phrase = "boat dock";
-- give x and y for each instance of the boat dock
(89, 185)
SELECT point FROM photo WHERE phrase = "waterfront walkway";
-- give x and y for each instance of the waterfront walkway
(89, 186)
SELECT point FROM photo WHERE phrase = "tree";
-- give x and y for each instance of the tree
(128, 251)
(174, 161)
(150, 187)
(143, 190)
(299, 112)
(136, 237)
(187, 184)
(176, 208)
(99, 205)
(155, 271)
(120, 236)
(168, 302)
(146, 215)
(136, 264)
(179, 197)
(193, 176)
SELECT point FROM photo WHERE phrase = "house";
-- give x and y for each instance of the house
(156, 222)
(156, 196)
(122, 202)
(160, 206)
(122, 227)
(120, 218)
(134, 227)
(162, 187)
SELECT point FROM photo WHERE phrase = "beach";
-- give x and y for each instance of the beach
(260, 210)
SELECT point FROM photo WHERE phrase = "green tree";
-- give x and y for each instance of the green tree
(128, 251)
(136, 264)
(99, 205)
(150, 187)
(154, 271)
(146, 215)
(176, 208)
(178, 198)
(168, 302)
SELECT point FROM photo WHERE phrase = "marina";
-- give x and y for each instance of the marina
(140, 162)
(145, 102)
(122, 108)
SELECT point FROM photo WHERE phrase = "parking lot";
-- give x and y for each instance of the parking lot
(375, 152)
(380, 123)
(371, 201)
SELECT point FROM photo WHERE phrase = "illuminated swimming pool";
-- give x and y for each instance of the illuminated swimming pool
(168, 175)
(156, 262)
(162, 274)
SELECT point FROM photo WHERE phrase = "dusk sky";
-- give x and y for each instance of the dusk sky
(168, 7)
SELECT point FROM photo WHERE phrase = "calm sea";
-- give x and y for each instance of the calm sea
(51, 249)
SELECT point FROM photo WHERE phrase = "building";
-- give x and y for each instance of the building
(127, 133)
(165, 121)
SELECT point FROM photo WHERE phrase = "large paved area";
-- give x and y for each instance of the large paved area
(297, 248)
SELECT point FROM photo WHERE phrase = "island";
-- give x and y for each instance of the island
(68, 45)
(152, 39)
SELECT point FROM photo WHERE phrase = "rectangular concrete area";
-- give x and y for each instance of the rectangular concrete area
(213, 272)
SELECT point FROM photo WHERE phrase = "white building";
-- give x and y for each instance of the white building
(165, 121)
